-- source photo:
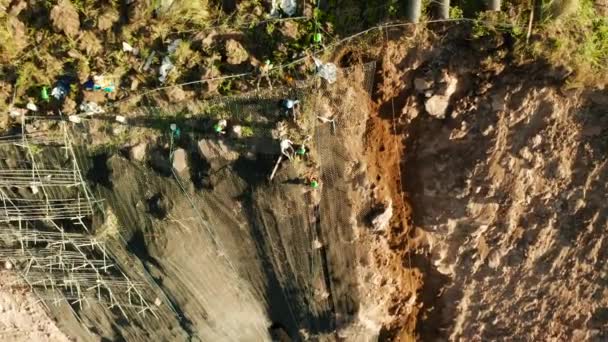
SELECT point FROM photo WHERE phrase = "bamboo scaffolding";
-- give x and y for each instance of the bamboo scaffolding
(59, 266)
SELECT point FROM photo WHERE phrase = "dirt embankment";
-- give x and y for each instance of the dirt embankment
(505, 171)
(231, 256)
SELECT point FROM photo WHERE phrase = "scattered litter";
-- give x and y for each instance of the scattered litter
(165, 68)
(173, 46)
(91, 108)
(301, 151)
(291, 107)
(8, 265)
(167, 65)
(382, 220)
(99, 83)
(220, 126)
(327, 71)
(44, 94)
(61, 89)
(157, 302)
(289, 7)
(317, 38)
(75, 118)
(126, 47)
(34, 189)
(121, 119)
(31, 106)
(149, 61)
(175, 130)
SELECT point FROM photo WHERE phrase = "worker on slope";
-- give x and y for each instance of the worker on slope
(301, 151)
(220, 126)
(264, 72)
(313, 182)
(287, 148)
(291, 107)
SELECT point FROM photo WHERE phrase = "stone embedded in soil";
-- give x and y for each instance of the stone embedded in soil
(64, 17)
(17, 7)
(237, 131)
(382, 220)
(216, 152)
(180, 160)
(235, 52)
(138, 152)
(437, 106)
(107, 19)
(69, 106)
(422, 85)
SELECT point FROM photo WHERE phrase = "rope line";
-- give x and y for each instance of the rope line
(308, 53)
(401, 194)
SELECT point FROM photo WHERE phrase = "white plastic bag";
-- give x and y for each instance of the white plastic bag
(327, 71)
(289, 7)
(165, 68)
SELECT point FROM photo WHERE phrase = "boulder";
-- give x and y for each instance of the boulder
(235, 52)
(216, 153)
(180, 160)
(381, 221)
(437, 106)
(138, 152)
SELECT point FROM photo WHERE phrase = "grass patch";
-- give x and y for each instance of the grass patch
(575, 39)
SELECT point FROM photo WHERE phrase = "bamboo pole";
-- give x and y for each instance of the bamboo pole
(494, 5)
(413, 9)
(443, 9)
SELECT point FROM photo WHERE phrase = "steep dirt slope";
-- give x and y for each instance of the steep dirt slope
(231, 256)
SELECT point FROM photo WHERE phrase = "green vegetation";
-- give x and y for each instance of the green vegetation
(494, 23)
(577, 39)
(35, 50)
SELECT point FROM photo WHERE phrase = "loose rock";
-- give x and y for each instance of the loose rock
(422, 85)
(235, 52)
(180, 161)
(138, 152)
(381, 221)
(65, 18)
(216, 153)
(437, 106)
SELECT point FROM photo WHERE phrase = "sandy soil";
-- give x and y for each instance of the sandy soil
(22, 316)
